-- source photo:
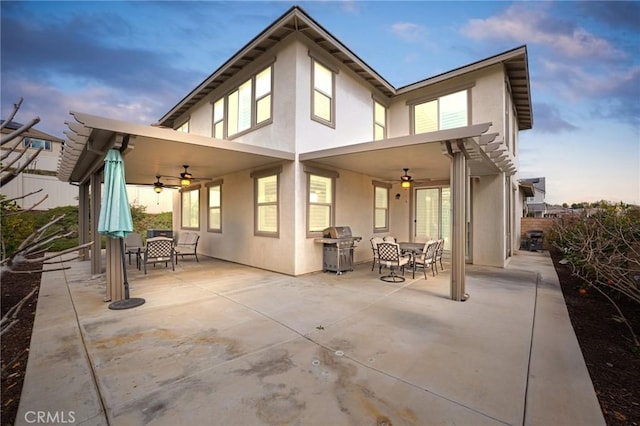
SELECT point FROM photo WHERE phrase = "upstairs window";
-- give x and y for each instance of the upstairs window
(323, 100)
(247, 107)
(218, 119)
(379, 121)
(445, 112)
(36, 144)
(184, 127)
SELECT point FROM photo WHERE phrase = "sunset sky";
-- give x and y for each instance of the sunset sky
(135, 60)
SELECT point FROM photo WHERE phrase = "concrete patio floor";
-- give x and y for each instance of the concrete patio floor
(225, 344)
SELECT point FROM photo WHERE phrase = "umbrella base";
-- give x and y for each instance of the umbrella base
(126, 303)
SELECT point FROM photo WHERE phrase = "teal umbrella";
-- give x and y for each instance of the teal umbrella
(115, 216)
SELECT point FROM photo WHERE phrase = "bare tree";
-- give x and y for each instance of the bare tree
(33, 249)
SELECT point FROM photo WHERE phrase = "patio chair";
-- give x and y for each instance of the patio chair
(438, 256)
(374, 247)
(187, 245)
(133, 245)
(389, 255)
(158, 249)
(426, 259)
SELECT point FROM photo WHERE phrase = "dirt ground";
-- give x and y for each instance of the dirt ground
(15, 342)
(612, 362)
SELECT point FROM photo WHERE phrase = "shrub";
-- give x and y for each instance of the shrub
(604, 251)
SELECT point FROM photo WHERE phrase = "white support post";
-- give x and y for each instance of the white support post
(96, 248)
(83, 219)
(458, 237)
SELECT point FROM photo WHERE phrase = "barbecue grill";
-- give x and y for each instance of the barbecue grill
(338, 245)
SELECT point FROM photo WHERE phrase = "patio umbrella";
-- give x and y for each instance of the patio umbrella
(115, 217)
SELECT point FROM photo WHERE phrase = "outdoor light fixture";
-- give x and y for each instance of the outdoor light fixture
(185, 177)
(405, 181)
(157, 185)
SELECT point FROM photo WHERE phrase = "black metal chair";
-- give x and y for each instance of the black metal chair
(133, 245)
(389, 255)
(187, 245)
(426, 259)
(158, 250)
(374, 247)
(438, 256)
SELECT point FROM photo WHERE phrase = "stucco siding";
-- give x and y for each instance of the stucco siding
(489, 221)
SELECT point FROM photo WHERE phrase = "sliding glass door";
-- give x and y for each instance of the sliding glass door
(432, 216)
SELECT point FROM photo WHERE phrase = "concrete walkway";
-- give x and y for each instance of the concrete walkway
(224, 344)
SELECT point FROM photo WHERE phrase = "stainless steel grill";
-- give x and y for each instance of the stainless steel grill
(338, 244)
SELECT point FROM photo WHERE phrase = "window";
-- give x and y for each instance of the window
(263, 96)
(320, 199)
(215, 206)
(322, 102)
(184, 128)
(379, 121)
(247, 107)
(266, 215)
(218, 119)
(36, 143)
(446, 112)
(190, 208)
(380, 207)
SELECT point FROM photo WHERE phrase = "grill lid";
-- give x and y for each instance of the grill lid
(337, 232)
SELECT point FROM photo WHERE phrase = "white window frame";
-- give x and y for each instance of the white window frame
(317, 92)
(377, 122)
(329, 174)
(29, 142)
(210, 206)
(184, 127)
(189, 191)
(436, 98)
(218, 119)
(386, 187)
(257, 176)
(253, 124)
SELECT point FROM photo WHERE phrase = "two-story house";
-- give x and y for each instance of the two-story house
(295, 133)
(535, 204)
(37, 185)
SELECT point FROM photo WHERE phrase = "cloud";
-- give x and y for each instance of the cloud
(617, 91)
(409, 31)
(548, 119)
(522, 25)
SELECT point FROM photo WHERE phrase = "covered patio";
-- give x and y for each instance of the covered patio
(449, 156)
(223, 343)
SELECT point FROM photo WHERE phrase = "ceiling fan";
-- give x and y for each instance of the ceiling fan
(405, 180)
(185, 179)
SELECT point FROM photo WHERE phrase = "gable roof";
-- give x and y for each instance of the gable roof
(297, 20)
(31, 133)
(294, 20)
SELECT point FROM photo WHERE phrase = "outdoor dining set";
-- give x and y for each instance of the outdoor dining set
(160, 249)
(398, 255)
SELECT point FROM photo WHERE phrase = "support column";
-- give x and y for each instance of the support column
(96, 248)
(458, 234)
(83, 220)
(115, 282)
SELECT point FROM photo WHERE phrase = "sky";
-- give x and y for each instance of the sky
(135, 60)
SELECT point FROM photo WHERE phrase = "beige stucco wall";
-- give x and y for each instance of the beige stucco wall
(488, 217)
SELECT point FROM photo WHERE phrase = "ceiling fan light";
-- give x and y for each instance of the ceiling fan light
(405, 184)
(184, 181)
(157, 189)
(405, 180)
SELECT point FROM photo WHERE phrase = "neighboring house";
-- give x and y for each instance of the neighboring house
(40, 174)
(535, 204)
(295, 133)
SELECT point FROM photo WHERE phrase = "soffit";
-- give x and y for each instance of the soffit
(424, 155)
(150, 151)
